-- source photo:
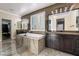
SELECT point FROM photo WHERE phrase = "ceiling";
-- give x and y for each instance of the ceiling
(22, 8)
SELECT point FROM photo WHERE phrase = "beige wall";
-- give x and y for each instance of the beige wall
(13, 18)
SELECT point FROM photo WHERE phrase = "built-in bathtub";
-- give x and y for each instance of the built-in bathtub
(32, 35)
(34, 42)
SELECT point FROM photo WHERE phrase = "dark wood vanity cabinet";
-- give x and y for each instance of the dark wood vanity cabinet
(47, 40)
(66, 43)
(52, 41)
(61, 43)
(69, 43)
(76, 49)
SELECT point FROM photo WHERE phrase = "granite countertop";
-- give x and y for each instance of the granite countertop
(66, 32)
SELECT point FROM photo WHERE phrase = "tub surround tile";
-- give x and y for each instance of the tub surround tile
(36, 46)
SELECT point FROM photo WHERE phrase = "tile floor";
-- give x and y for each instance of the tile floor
(46, 52)
(9, 48)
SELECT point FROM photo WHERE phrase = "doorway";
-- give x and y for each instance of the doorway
(6, 37)
(6, 29)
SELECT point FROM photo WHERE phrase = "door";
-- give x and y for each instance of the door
(68, 43)
(61, 43)
(48, 40)
(76, 49)
(54, 41)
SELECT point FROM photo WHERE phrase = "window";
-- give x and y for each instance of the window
(38, 22)
(60, 24)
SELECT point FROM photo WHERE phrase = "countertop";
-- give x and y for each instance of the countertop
(66, 32)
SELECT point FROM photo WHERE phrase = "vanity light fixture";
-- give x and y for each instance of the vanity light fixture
(65, 9)
(56, 11)
(60, 10)
(52, 12)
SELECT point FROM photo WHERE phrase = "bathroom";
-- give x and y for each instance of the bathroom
(51, 30)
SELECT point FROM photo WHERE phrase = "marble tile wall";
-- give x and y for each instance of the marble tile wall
(36, 46)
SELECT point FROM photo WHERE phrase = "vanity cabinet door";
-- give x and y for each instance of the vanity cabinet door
(69, 44)
(76, 49)
(61, 43)
(48, 40)
(54, 41)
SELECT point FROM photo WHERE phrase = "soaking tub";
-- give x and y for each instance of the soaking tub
(35, 42)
